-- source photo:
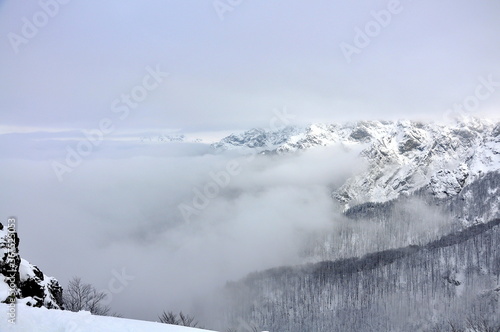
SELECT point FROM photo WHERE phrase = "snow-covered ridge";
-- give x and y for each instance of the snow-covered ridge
(44, 320)
(402, 156)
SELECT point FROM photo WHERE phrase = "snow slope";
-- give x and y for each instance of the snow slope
(48, 320)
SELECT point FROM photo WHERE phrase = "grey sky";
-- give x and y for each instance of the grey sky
(119, 208)
(227, 74)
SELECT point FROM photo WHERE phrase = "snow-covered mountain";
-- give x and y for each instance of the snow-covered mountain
(401, 157)
(24, 281)
(420, 238)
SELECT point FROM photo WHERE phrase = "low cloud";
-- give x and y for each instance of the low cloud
(119, 209)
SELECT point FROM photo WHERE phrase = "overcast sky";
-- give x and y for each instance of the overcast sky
(228, 68)
(230, 73)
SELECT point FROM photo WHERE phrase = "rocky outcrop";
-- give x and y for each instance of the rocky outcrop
(22, 282)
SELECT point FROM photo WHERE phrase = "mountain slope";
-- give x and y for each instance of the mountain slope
(415, 288)
(417, 244)
(401, 157)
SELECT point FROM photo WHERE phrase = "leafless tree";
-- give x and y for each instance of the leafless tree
(454, 327)
(481, 325)
(169, 318)
(472, 324)
(81, 296)
(182, 319)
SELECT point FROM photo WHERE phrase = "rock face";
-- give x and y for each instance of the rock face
(22, 282)
(401, 157)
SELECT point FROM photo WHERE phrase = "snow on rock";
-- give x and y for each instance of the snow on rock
(479, 201)
(21, 280)
(445, 183)
(402, 156)
(30, 319)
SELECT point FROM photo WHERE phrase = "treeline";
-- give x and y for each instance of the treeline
(409, 220)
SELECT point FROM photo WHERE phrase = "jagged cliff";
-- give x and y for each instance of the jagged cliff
(22, 282)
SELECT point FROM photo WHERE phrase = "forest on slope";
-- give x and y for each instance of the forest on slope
(423, 284)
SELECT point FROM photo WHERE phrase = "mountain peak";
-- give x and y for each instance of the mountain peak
(402, 156)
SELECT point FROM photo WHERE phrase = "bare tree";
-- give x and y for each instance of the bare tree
(454, 327)
(183, 320)
(481, 325)
(80, 296)
(169, 318)
(187, 320)
(472, 324)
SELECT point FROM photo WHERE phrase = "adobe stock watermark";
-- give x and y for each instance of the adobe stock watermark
(32, 26)
(116, 285)
(220, 179)
(222, 7)
(121, 107)
(10, 277)
(483, 91)
(372, 29)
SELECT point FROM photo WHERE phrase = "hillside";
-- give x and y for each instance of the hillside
(416, 288)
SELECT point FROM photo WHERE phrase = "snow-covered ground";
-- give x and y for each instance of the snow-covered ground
(30, 319)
